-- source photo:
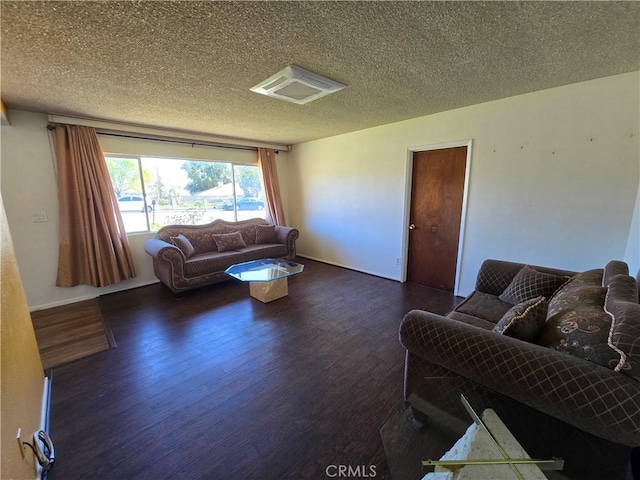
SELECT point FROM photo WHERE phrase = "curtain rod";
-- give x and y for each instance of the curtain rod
(170, 140)
(161, 134)
(186, 142)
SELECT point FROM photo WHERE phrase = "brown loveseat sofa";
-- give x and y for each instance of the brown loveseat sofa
(563, 347)
(190, 256)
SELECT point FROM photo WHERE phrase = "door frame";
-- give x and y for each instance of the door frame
(407, 204)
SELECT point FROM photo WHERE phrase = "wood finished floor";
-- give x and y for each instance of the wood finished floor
(216, 385)
(70, 332)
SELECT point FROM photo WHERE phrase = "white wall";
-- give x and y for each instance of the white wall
(28, 184)
(553, 181)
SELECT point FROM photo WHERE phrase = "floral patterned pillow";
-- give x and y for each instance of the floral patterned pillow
(525, 320)
(248, 232)
(228, 241)
(581, 327)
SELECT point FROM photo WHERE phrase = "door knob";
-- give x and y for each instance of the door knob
(412, 226)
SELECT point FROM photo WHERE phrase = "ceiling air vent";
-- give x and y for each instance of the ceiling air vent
(297, 85)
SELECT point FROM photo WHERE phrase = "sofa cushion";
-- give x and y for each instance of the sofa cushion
(622, 306)
(206, 263)
(529, 283)
(470, 320)
(483, 305)
(255, 252)
(265, 234)
(228, 241)
(525, 320)
(184, 245)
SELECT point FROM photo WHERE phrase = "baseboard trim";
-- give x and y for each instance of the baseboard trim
(82, 298)
(368, 272)
(61, 303)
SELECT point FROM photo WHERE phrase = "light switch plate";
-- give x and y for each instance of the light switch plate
(40, 217)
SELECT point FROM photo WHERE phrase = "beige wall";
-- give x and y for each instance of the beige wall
(22, 377)
(553, 181)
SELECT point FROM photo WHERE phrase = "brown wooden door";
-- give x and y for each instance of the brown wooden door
(436, 209)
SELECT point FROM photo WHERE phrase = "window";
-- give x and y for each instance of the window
(154, 192)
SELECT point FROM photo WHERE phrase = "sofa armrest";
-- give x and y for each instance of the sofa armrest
(283, 233)
(288, 237)
(156, 247)
(593, 398)
(168, 264)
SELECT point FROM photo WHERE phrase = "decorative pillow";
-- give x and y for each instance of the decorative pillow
(525, 320)
(228, 241)
(529, 283)
(183, 244)
(583, 288)
(266, 234)
(581, 328)
(248, 232)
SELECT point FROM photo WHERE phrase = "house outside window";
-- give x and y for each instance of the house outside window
(154, 192)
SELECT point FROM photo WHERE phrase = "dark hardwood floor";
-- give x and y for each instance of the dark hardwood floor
(217, 385)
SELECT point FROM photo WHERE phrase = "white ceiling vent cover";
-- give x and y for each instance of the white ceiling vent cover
(297, 85)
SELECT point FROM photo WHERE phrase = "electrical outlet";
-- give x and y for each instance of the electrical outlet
(39, 217)
(398, 261)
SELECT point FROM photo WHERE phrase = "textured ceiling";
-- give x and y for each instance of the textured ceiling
(189, 65)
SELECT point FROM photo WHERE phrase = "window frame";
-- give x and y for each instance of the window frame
(139, 159)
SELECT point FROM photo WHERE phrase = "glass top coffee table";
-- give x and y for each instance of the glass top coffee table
(267, 277)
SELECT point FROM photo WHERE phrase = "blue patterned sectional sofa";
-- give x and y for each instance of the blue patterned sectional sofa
(561, 348)
(190, 256)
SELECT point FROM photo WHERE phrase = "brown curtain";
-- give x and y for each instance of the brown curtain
(267, 161)
(94, 249)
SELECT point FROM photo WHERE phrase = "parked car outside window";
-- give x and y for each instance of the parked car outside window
(132, 203)
(245, 204)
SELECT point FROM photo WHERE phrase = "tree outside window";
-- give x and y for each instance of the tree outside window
(154, 192)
